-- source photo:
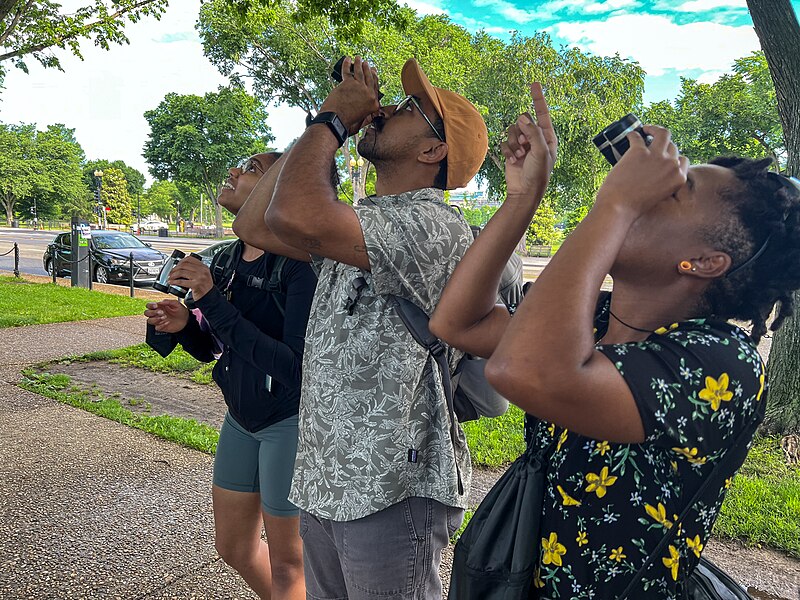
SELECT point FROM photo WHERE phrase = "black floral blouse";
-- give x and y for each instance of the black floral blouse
(698, 384)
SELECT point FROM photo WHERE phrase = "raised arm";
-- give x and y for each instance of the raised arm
(305, 211)
(477, 325)
(547, 362)
(249, 224)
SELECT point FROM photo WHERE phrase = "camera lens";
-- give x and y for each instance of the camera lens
(613, 140)
(161, 281)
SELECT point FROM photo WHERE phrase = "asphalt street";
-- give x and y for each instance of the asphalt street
(32, 245)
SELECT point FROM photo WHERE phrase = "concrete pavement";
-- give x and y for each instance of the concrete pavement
(90, 508)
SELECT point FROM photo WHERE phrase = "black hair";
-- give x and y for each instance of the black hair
(440, 181)
(765, 209)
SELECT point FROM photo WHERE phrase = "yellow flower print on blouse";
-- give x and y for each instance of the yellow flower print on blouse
(695, 545)
(582, 539)
(716, 391)
(599, 483)
(537, 578)
(672, 562)
(691, 455)
(567, 500)
(659, 515)
(553, 551)
(617, 554)
(761, 384)
(663, 330)
(562, 439)
(603, 447)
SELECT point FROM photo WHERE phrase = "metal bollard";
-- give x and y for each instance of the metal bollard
(131, 273)
(16, 260)
(91, 271)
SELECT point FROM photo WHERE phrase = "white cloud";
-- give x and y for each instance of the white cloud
(425, 8)
(510, 11)
(705, 5)
(658, 44)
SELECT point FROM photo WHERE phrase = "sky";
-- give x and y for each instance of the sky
(104, 96)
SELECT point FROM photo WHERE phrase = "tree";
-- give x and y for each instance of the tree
(291, 63)
(196, 139)
(116, 197)
(41, 167)
(134, 178)
(542, 230)
(34, 28)
(18, 172)
(737, 114)
(779, 32)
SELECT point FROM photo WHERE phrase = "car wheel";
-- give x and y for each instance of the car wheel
(48, 266)
(101, 275)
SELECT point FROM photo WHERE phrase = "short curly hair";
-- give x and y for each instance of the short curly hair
(764, 216)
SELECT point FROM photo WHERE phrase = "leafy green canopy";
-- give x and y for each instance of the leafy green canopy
(41, 168)
(197, 138)
(290, 61)
(34, 28)
(737, 114)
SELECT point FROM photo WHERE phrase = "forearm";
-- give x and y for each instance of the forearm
(476, 325)
(303, 189)
(553, 332)
(249, 222)
(196, 342)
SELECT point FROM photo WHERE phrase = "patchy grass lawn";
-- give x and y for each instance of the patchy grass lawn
(179, 362)
(26, 303)
(186, 432)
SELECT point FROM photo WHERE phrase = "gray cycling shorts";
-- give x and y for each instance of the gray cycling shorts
(260, 462)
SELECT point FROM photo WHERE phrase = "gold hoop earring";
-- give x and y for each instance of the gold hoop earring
(685, 265)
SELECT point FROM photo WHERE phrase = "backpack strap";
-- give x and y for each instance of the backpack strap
(224, 263)
(416, 321)
(273, 285)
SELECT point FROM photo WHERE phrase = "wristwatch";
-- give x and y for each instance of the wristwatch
(332, 120)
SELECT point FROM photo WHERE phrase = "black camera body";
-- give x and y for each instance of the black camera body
(161, 283)
(613, 140)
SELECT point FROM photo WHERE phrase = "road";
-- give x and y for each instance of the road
(32, 245)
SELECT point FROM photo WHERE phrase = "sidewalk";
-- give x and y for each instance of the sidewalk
(90, 508)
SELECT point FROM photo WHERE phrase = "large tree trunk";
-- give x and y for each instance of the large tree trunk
(9, 205)
(779, 32)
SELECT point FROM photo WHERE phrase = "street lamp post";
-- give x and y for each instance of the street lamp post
(101, 213)
(356, 165)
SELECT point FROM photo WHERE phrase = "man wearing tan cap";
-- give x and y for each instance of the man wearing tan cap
(380, 484)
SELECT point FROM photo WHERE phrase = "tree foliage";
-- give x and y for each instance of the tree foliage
(196, 139)
(117, 197)
(35, 28)
(133, 177)
(737, 114)
(41, 167)
(290, 61)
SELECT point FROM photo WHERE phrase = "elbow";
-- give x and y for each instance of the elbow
(518, 382)
(441, 328)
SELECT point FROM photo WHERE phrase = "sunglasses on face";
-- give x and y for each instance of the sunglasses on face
(408, 103)
(793, 183)
(251, 165)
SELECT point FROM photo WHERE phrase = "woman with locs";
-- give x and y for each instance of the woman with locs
(641, 394)
(261, 334)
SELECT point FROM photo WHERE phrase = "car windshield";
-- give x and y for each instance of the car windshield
(117, 240)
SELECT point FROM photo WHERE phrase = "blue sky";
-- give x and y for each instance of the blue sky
(105, 96)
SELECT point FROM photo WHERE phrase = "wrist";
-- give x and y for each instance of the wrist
(333, 123)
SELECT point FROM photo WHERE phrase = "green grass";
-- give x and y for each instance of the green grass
(496, 442)
(179, 362)
(763, 502)
(26, 303)
(186, 432)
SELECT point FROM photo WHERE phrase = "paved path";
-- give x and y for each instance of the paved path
(90, 508)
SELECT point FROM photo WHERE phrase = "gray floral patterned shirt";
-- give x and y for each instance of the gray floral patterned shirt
(374, 426)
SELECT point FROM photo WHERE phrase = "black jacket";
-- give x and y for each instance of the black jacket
(259, 371)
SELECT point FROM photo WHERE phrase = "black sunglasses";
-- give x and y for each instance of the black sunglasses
(406, 104)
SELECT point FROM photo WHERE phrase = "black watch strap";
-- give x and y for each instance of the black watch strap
(334, 123)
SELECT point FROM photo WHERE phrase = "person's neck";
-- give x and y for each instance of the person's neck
(638, 311)
(251, 253)
(393, 181)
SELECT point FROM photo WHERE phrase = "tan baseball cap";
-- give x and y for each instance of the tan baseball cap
(464, 129)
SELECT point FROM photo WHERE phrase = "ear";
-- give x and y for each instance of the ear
(433, 152)
(710, 265)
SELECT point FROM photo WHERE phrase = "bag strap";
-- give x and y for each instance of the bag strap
(273, 284)
(416, 321)
(712, 478)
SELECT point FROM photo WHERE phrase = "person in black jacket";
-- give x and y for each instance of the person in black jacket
(258, 336)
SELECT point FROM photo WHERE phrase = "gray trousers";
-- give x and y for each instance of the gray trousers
(393, 554)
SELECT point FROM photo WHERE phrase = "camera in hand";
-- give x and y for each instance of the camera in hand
(162, 281)
(336, 74)
(613, 140)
